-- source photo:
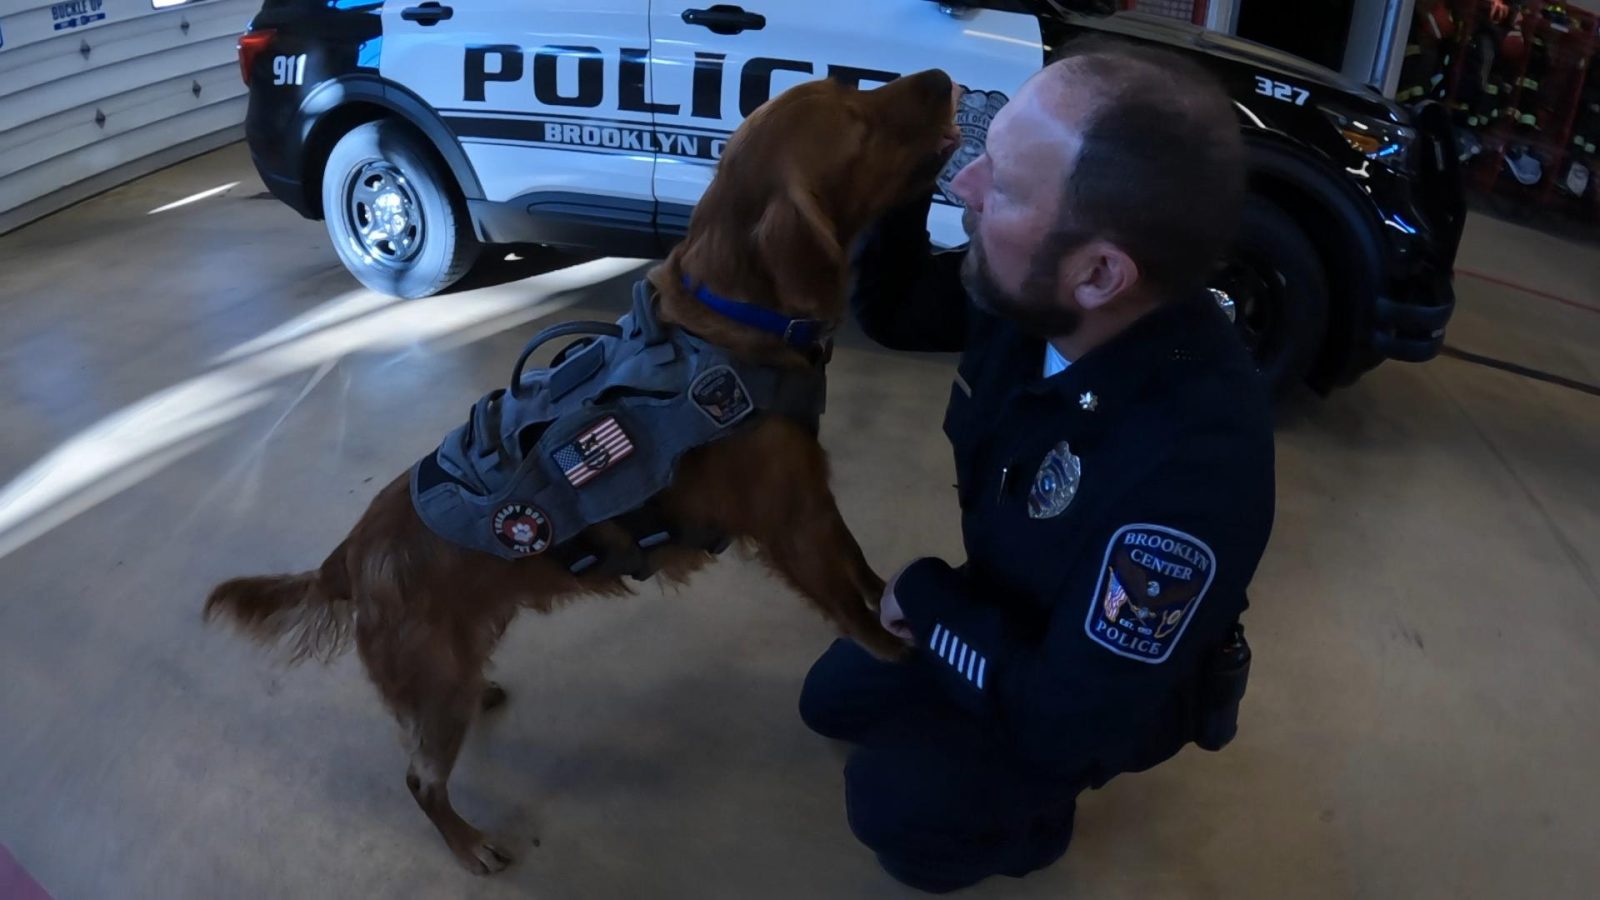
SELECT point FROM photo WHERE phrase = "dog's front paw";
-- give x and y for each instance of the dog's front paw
(494, 696)
(481, 857)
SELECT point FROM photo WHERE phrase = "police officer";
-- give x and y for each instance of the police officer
(1115, 463)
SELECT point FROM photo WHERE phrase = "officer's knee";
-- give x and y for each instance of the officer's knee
(936, 833)
(823, 700)
(878, 814)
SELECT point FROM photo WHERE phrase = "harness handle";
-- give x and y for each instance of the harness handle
(643, 320)
(645, 324)
(564, 329)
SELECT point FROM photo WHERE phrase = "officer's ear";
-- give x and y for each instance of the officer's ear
(797, 244)
(1097, 273)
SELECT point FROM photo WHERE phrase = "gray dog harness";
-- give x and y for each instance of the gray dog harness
(596, 437)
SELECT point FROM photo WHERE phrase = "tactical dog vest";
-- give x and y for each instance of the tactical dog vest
(597, 435)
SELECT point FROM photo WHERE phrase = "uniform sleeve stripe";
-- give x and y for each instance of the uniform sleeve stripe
(967, 661)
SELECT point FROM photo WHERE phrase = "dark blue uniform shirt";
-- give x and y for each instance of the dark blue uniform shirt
(1113, 514)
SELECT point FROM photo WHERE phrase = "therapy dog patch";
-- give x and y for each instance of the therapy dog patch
(1151, 584)
(522, 529)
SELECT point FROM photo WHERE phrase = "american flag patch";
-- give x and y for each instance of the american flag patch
(1116, 596)
(594, 451)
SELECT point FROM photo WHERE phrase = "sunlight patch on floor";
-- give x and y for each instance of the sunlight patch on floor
(141, 439)
(342, 308)
(195, 198)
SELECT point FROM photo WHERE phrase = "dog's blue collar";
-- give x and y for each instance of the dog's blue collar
(804, 334)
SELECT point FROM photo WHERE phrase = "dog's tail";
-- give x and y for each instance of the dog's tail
(310, 613)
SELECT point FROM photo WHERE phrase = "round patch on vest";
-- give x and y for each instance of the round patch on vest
(522, 528)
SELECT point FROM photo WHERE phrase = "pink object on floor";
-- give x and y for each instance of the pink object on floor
(1532, 292)
(15, 882)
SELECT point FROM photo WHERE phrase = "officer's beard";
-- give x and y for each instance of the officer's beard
(1034, 308)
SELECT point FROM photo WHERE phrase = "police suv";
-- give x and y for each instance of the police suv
(422, 131)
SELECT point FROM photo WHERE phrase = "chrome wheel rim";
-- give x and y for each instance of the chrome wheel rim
(1253, 294)
(384, 214)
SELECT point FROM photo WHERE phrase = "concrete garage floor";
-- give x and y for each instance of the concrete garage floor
(203, 393)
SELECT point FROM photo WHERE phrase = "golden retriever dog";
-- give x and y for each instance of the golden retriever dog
(799, 180)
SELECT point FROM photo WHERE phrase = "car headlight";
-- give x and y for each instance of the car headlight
(1377, 140)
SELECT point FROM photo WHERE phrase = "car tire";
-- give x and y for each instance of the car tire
(393, 212)
(1279, 289)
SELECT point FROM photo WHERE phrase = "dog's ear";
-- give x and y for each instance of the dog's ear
(799, 247)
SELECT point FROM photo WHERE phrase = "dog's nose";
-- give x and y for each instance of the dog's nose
(952, 134)
(934, 84)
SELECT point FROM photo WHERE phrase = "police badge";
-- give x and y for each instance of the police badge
(1056, 484)
(973, 116)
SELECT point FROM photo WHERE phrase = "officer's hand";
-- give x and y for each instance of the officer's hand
(890, 616)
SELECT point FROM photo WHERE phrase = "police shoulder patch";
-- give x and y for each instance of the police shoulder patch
(1151, 585)
(720, 394)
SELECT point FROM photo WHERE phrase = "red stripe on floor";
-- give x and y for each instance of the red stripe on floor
(15, 882)
(1546, 295)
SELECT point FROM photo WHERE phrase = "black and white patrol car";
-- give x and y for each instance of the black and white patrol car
(423, 131)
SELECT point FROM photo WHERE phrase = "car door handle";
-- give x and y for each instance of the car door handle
(725, 19)
(427, 13)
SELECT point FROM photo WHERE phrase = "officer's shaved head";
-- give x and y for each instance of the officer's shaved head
(1159, 168)
(1111, 181)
